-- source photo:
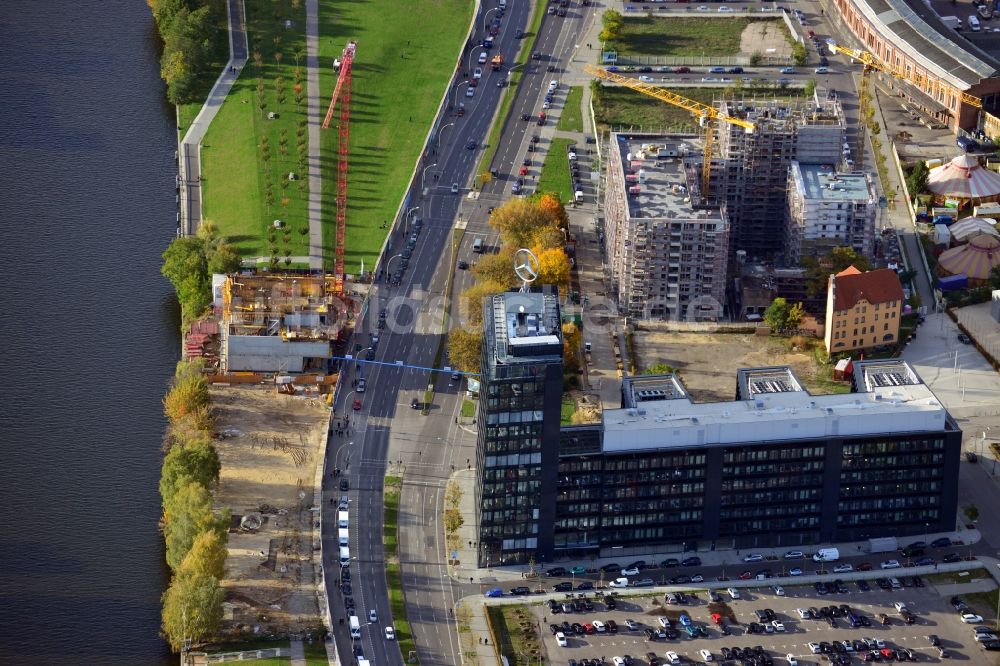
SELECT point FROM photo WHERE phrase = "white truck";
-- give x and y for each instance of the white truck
(826, 555)
(355, 626)
(342, 520)
(343, 537)
(952, 22)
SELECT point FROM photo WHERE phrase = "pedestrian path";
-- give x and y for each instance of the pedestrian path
(312, 115)
(298, 653)
(190, 148)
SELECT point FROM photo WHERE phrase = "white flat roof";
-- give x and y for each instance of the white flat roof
(773, 417)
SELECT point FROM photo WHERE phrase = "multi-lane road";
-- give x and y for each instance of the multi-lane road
(385, 433)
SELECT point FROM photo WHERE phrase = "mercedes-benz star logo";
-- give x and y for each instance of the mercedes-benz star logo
(526, 266)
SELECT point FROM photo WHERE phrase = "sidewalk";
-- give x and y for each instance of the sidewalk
(190, 148)
(313, 119)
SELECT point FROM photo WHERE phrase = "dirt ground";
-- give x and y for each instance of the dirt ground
(707, 362)
(270, 446)
(766, 38)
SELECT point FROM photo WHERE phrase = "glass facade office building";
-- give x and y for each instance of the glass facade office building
(775, 467)
(520, 398)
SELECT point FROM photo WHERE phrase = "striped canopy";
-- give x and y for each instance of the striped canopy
(976, 258)
(963, 178)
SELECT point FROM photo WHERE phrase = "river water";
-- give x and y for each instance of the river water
(89, 331)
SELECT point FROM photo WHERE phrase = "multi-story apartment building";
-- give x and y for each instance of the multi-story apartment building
(751, 173)
(520, 398)
(862, 309)
(827, 209)
(942, 70)
(666, 258)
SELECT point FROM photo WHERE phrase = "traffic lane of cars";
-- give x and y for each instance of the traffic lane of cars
(934, 617)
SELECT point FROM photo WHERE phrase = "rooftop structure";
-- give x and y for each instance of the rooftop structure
(525, 326)
(666, 257)
(777, 408)
(965, 179)
(827, 209)
(277, 323)
(907, 34)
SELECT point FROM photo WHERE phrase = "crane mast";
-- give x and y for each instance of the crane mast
(704, 112)
(342, 93)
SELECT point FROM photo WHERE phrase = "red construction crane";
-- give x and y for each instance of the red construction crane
(343, 87)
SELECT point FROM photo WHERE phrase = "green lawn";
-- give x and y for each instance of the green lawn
(235, 175)
(468, 409)
(397, 603)
(555, 171)
(390, 516)
(662, 36)
(566, 411)
(206, 79)
(406, 55)
(571, 118)
(616, 106)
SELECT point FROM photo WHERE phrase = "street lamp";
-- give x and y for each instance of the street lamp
(423, 174)
(440, 132)
(454, 102)
(486, 16)
(389, 263)
(406, 220)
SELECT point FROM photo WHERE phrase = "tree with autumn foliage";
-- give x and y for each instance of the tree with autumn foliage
(519, 222)
(551, 206)
(498, 268)
(553, 266)
(464, 349)
(571, 347)
(471, 302)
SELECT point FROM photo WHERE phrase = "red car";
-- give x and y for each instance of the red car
(523, 171)
(357, 404)
(864, 566)
(746, 575)
(716, 618)
(811, 34)
(683, 70)
(473, 82)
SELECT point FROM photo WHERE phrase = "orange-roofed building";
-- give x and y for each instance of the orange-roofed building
(862, 309)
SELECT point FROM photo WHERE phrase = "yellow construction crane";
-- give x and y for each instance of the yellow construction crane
(704, 112)
(931, 86)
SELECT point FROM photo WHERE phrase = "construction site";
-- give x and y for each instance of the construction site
(271, 446)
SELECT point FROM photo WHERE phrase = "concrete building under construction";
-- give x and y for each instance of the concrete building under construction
(666, 258)
(750, 172)
(277, 323)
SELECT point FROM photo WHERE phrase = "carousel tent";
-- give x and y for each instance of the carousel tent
(965, 229)
(976, 258)
(963, 178)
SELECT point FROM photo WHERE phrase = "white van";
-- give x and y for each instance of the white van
(826, 555)
(343, 537)
(503, 4)
(974, 24)
(342, 520)
(579, 196)
(355, 626)
(345, 556)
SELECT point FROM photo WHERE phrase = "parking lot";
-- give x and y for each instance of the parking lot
(932, 615)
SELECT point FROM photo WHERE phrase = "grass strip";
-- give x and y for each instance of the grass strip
(571, 118)
(500, 119)
(682, 36)
(456, 241)
(555, 171)
(566, 411)
(397, 604)
(246, 186)
(390, 529)
(468, 409)
(401, 70)
(616, 106)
